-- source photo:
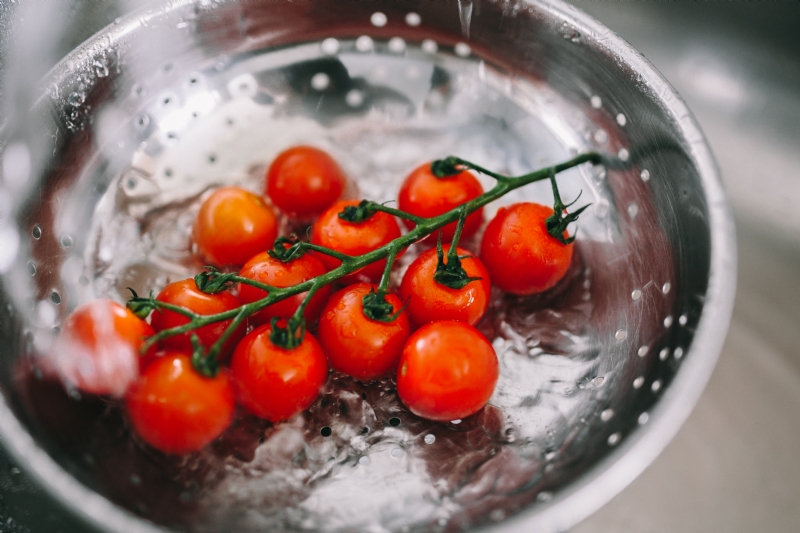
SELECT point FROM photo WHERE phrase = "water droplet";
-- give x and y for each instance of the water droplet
(666, 288)
(76, 99)
(597, 103)
(378, 19)
(31, 268)
(544, 496)
(598, 381)
(643, 418)
(397, 45)
(100, 69)
(643, 351)
(430, 438)
(623, 154)
(638, 382)
(668, 321)
(613, 439)
(330, 46)
(633, 209)
(683, 319)
(364, 460)
(621, 335)
(364, 44)
(636, 294)
(36, 232)
(55, 297)
(66, 241)
(663, 354)
(606, 415)
(463, 49)
(678, 353)
(413, 19)
(429, 46)
(656, 386)
(397, 452)
(621, 120)
(645, 175)
(394, 421)
(320, 81)
(456, 422)
(326, 431)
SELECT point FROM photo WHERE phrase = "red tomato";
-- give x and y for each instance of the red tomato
(429, 301)
(186, 294)
(175, 409)
(98, 348)
(521, 257)
(448, 371)
(354, 238)
(274, 272)
(357, 345)
(304, 181)
(275, 383)
(233, 225)
(425, 195)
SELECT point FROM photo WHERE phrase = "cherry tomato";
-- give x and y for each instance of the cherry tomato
(186, 294)
(521, 257)
(354, 238)
(277, 383)
(175, 409)
(448, 370)
(429, 301)
(98, 348)
(233, 225)
(357, 345)
(425, 195)
(304, 181)
(271, 271)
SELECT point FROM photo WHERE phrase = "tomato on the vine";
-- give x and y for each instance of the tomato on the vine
(271, 271)
(233, 225)
(98, 348)
(521, 256)
(429, 300)
(185, 294)
(354, 238)
(359, 346)
(304, 181)
(277, 383)
(448, 370)
(175, 409)
(425, 195)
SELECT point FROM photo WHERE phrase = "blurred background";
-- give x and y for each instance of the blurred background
(735, 465)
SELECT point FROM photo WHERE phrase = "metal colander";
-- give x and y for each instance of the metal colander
(126, 134)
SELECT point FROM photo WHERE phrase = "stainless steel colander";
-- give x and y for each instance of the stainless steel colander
(161, 105)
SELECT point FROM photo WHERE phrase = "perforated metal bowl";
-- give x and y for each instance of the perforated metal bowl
(131, 128)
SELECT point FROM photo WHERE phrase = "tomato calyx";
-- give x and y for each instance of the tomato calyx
(356, 214)
(451, 273)
(205, 364)
(557, 223)
(444, 168)
(377, 308)
(139, 306)
(212, 281)
(287, 249)
(289, 336)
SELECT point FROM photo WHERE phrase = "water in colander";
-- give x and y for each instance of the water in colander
(357, 459)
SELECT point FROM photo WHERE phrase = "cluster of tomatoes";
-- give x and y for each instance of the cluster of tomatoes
(445, 368)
